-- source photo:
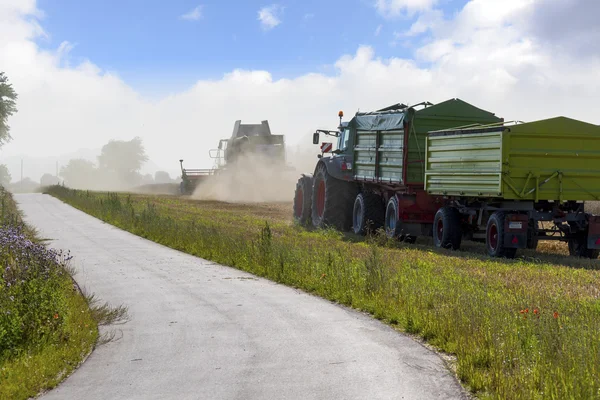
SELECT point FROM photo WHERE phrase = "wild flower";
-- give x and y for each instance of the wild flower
(29, 275)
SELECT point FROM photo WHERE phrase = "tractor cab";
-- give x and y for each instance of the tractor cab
(342, 134)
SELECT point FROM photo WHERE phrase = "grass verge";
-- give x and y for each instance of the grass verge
(519, 329)
(47, 326)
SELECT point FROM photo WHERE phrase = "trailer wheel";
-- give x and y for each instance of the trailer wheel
(331, 201)
(495, 237)
(578, 248)
(391, 223)
(367, 214)
(447, 232)
(302, 199)
(532, 232)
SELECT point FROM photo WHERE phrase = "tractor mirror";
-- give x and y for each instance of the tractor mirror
(316, 138)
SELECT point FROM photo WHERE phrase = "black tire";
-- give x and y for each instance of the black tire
(302, 200)
(391, 223)
(367, 213)
(447, 230)
(578, 248)
(410, 239)
(494, 237)
(331, 201)
(532, 240)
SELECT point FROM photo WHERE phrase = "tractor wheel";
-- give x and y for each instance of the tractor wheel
(578, 248)
(447, 231)
(302, 197)
(495, 237)
(368, 213)
(392, 224)
(331, 201)
(181, 188)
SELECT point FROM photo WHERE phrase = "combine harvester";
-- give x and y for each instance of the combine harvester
(454, 171)
(249, 143)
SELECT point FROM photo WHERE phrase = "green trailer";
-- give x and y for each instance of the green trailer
(512, 185)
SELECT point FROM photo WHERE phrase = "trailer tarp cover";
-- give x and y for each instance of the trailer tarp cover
(379, 122)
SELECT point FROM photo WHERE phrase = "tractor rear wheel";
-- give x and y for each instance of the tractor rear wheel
(368, 213)
(331, 201)
(447, 232)
(302, 200)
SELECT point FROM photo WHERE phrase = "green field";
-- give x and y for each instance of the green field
(521, 329)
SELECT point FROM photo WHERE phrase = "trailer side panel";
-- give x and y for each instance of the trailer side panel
(464, 165)
(554, 159)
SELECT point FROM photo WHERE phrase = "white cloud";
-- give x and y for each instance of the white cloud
(378, 30)
(270, 16)
(426, 21)
(193, 15)
(392, 8)
(496, 61)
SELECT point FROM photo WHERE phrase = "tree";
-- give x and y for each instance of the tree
(162, 177)
(8, 106)
(49, 180)
(5, 177)
(123, 158)
(147, 179)
(79, 174)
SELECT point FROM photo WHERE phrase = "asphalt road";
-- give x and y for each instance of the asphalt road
(199, 330)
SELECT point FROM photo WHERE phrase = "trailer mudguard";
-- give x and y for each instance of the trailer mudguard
(515, 231)
(593, 241)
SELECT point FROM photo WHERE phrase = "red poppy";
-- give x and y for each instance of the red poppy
(555, 314)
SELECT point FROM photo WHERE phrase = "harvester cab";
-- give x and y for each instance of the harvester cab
(253, 141)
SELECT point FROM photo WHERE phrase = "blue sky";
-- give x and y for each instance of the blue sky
(148, 43)
(506, 56)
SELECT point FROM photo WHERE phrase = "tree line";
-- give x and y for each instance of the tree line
(117, 168)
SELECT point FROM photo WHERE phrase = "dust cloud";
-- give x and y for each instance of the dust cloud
(256, 179)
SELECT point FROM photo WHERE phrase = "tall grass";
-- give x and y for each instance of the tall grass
(517, 329)
(46, 325)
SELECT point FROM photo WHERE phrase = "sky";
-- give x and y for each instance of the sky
(178, 74)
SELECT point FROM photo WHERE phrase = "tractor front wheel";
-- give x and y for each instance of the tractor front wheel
(302, 200)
